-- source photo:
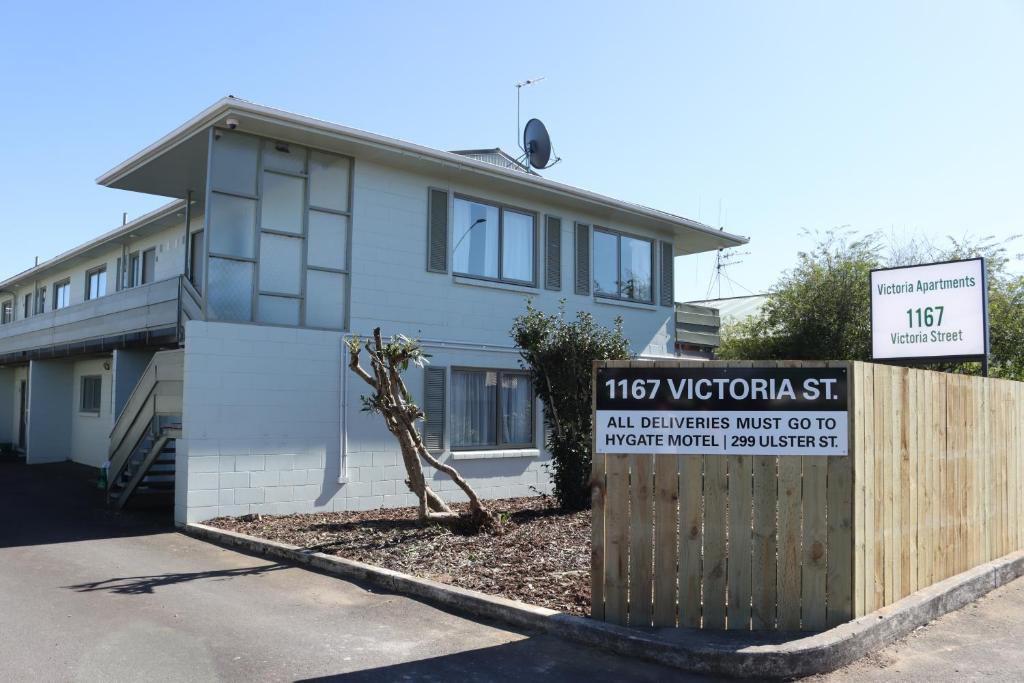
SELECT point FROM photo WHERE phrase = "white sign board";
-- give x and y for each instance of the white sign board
(721, 411)
(937, 310)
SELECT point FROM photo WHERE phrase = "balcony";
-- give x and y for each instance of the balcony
(148, 315)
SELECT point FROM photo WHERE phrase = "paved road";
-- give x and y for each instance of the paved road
(86, 595)
(983, 641)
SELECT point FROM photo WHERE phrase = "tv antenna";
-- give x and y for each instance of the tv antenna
(535, 143)
(724, 259)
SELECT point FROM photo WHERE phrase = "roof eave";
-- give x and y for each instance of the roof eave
(227, 105)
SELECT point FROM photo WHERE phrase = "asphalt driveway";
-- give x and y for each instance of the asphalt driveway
(90, 595)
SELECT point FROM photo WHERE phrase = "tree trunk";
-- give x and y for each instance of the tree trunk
(391, 399)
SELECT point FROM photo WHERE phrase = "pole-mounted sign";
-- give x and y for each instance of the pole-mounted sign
(931, 312)
(722, 411)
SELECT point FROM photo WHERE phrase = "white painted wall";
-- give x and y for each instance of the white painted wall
(262, 429)
(20, 374)
(49, 412)
(8, 403)
(391, 287)
(90, 433)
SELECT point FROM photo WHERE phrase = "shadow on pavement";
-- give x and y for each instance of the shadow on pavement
(140, 585)
(59, 503)
(531, 659)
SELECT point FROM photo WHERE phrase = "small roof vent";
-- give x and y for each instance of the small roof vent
(497, 157)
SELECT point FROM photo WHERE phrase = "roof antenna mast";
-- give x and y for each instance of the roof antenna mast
(519, 86)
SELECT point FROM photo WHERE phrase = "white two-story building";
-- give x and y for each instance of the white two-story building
(199, 348)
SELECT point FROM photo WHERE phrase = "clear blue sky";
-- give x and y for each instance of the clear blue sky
(794, 115)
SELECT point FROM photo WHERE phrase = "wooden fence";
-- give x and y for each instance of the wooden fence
(930, 489)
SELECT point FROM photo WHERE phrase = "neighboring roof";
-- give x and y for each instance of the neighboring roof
(735, 308)
(178, 159)
(496, 156)
(158, 219)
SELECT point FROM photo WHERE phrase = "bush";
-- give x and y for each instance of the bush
(559, 355)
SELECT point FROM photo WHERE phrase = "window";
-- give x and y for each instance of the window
(6, 312)
(61, 294)
(494, 242)
(195, 260)
(41, 300)
(623, 266)
(148, 266)
(27, 307)
(96, 283)
(134, 270)
(92, 390)
(491, 409)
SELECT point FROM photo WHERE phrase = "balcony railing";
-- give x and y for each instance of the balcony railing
(154, 313)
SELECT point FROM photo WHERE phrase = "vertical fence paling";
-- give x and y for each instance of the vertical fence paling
(930, 489)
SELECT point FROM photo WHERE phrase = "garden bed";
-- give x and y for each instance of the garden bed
(540, 555)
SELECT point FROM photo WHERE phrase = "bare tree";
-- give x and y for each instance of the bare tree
(393, 401)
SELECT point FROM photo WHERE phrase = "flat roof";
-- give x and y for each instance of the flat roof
(178, 159)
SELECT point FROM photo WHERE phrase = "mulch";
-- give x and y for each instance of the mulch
(539, 554)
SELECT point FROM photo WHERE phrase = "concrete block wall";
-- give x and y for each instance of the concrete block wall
(262, 429)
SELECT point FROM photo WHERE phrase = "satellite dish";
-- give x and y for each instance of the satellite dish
(536, 144)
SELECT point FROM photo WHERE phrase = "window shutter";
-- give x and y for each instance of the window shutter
(668, 297)
(582, 259)
(553, 253)
(434, 408)
(437, 231)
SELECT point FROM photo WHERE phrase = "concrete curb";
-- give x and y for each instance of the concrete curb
(690, 649)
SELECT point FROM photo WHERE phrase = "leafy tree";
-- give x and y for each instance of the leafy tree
(821, 309)
(559, 354)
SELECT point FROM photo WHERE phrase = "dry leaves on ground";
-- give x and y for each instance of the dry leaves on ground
(540, 555)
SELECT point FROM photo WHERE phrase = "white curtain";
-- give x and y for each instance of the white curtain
(473, 406)
(517, 409)
(517, 247)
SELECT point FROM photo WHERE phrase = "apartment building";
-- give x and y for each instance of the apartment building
(199, 349)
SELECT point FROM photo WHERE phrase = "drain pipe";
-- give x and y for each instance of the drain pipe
(343, 414)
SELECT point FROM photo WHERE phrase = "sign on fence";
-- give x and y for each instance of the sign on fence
(931, 311)
(722, 411)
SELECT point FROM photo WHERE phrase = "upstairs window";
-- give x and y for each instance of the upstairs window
(623, 267)
(493, 242)
(61, 295)
(27, 306)
(41, 300)
(96, 283)
(6, 312)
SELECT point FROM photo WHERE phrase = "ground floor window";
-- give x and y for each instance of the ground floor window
(92, 389)
(491, 409)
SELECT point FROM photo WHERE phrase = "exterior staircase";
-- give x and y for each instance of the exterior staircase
(143, 440)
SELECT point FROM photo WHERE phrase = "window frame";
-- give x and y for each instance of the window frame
(499, 445)
(618, 235)
(134, 271)
(82, 408)
(57, 287)
(501, 207)
(27, 306)
(7, 312)
(88, 286)
(40, 304)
